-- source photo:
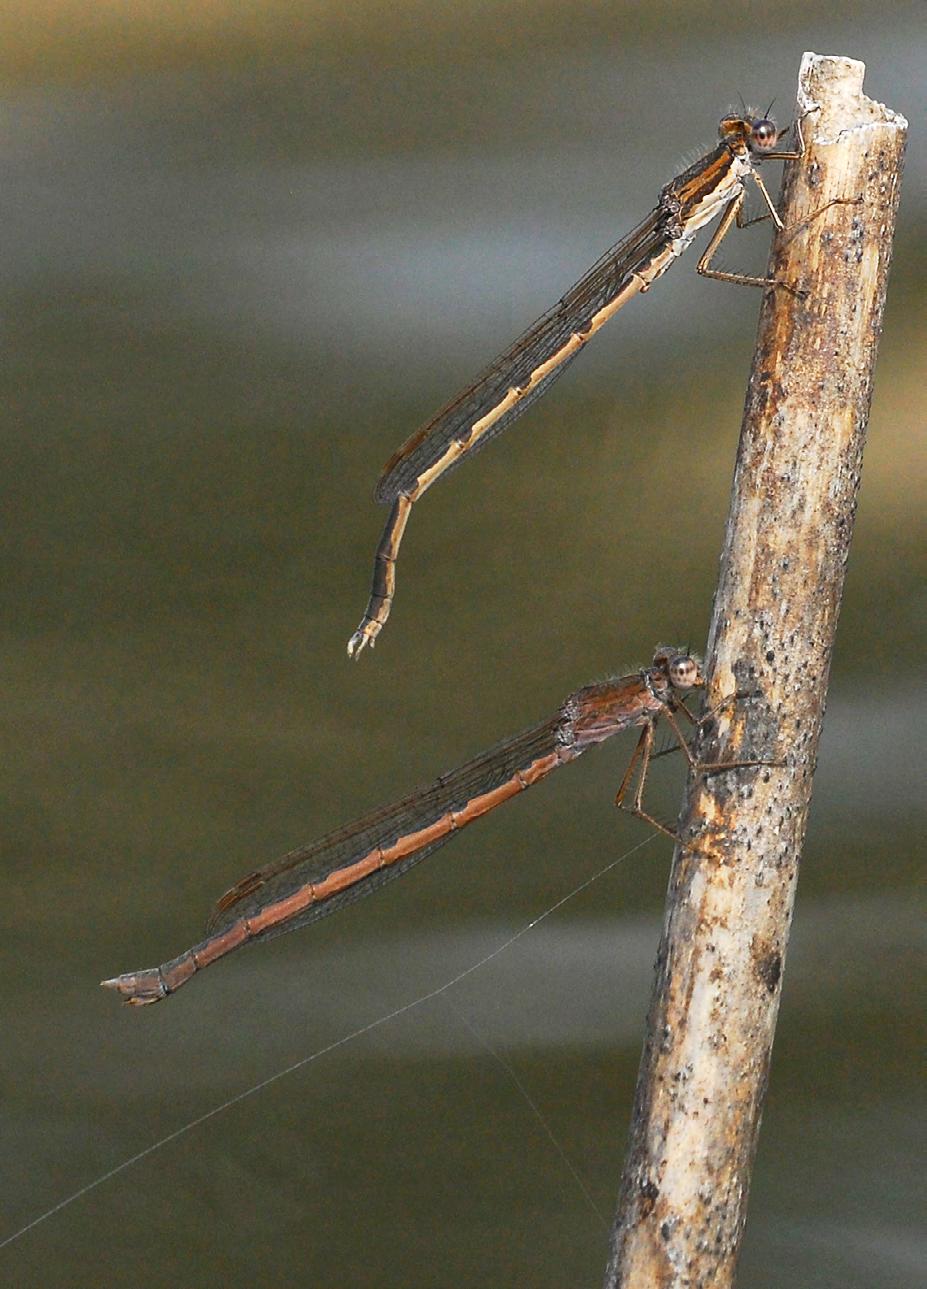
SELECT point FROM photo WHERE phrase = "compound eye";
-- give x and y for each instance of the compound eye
(764, 134)
(683, 673)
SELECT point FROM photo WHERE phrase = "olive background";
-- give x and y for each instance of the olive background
(246, 249)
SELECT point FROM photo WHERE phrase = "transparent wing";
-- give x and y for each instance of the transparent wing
(382, 827)
(540, 342)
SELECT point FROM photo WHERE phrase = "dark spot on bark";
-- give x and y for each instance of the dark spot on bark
(666, 1230)
(769, 968)
(770, 656)
(649, 1193)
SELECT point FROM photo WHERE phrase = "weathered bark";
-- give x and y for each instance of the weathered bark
(706, 1059)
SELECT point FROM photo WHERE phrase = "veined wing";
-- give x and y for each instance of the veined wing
(573, 313)
(384, 828)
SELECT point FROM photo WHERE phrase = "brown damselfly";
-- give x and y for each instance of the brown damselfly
(318, 879)
(713, 186)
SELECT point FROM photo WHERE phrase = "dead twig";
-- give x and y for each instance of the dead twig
(706, 1060)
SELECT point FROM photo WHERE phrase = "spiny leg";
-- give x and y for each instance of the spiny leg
(738, 696)
(642, 752)
(699, 721)
(646, 737)
(384, 578)
(738, 279)
(680, 737)
(681, 707)
(773, 214)
(713, 767)
(834, 201)
(733, 214)
(754, 219)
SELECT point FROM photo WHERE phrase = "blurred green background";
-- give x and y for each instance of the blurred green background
(247, 248)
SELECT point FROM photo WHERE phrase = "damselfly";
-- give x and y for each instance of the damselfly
(359, 858)
(712, 186)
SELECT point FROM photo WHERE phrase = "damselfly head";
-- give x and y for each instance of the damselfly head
(749, 133)
(682, 669)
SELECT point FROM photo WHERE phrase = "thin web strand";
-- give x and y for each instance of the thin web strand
(322, 1051)
(535, 1109)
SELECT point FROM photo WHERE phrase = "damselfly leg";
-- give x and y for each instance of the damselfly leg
(643, 754)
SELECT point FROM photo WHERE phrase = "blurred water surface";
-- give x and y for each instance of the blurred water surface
(242, 259)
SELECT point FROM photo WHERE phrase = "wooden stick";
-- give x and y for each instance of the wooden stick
(705, 1065)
